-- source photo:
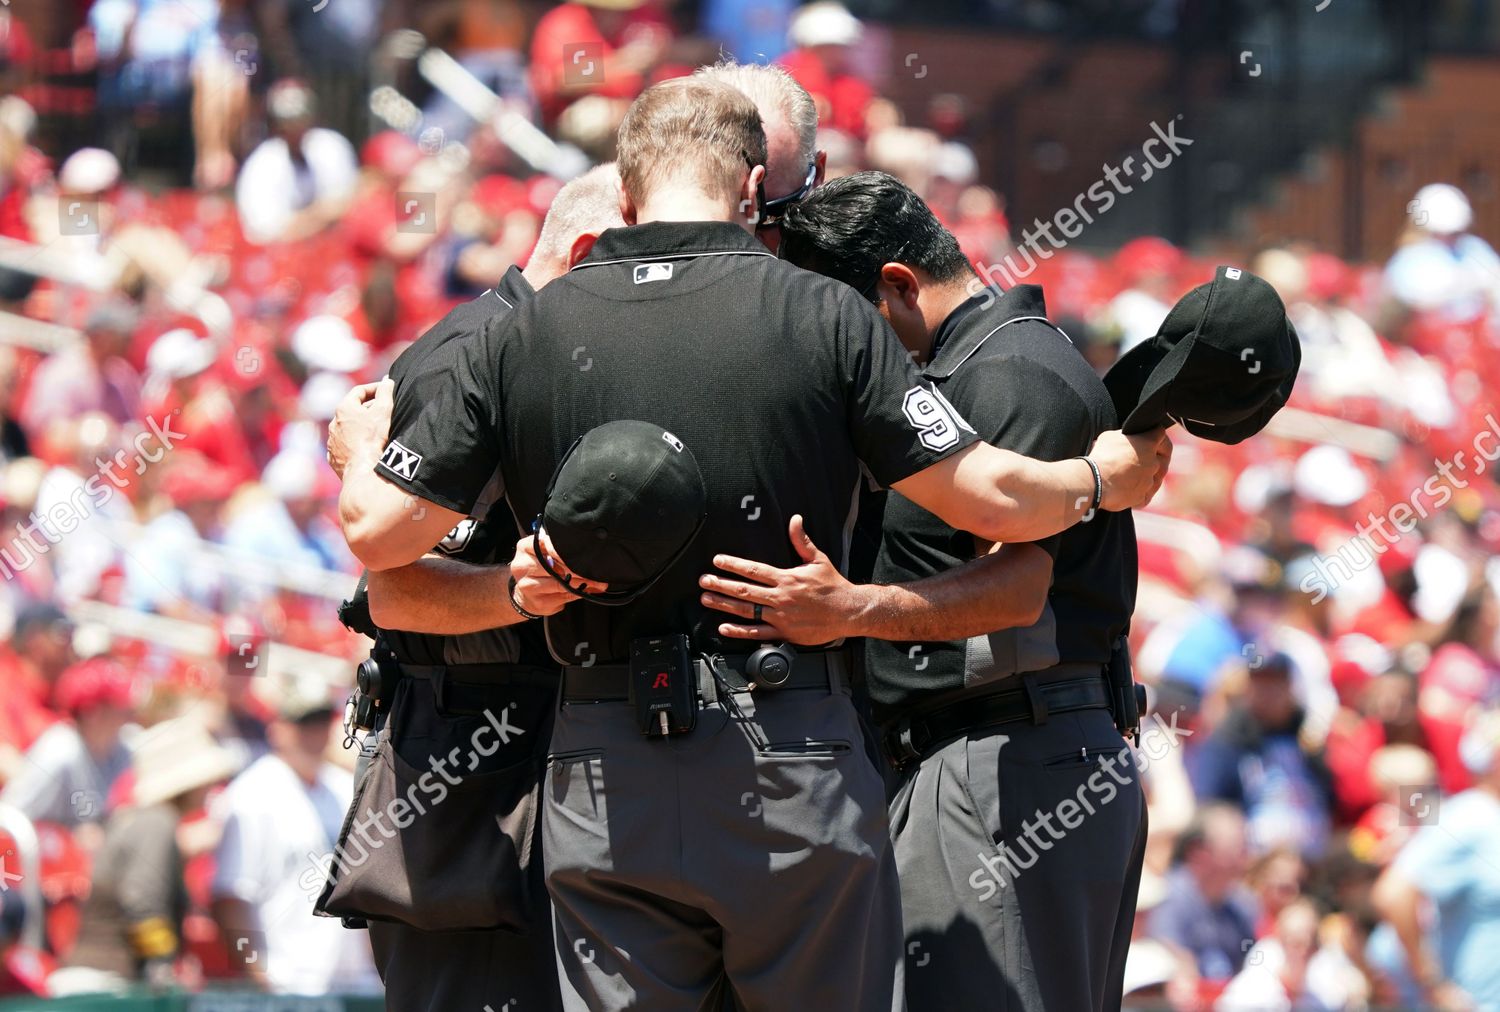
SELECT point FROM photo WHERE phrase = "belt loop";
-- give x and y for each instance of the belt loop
(1035, 698)
(708, 687)
(439, 682)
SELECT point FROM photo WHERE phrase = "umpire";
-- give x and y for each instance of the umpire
(988, 678)
(1003, 681)
(484, 683)
(679, 799)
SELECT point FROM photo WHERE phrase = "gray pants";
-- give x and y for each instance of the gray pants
(680, 868)
(1020, 854)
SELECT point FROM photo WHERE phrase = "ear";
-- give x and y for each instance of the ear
(627, 207)
(900, 282)
(581, 248)
(749, 205)
(821, 161)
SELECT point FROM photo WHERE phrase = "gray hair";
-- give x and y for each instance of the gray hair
(590, 203)
(775, 93)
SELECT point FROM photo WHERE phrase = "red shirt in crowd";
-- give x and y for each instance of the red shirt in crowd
(1352, 744)
(23, 710)
(211, 427)
(842, 98)
(16, 47)
(30, 171)
(1387, 621)
(1352, 741)
(566, 39)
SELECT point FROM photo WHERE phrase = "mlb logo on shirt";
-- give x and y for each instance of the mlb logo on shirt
(646, 273)
(401, 460)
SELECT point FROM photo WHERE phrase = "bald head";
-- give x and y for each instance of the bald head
(787, 112)
(582, 210)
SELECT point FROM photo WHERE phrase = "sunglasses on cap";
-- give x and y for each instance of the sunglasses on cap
(769, 212)
(772, 210)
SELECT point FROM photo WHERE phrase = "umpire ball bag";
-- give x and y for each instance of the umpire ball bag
(442, 834)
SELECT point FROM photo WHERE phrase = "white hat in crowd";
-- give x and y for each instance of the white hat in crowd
(321, 395)
(1148, 964)
(88, 170)
(304, 696)
(326, 343)
(1328, 474)
(824, 23)
(291, 475)
(17, 117)
(1442, 209)
(180, 353)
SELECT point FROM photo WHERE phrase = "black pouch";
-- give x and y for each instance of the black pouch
(443, 831)
(1127, 700)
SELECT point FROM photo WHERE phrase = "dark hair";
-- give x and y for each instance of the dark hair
(1195, 836)
(847, 229)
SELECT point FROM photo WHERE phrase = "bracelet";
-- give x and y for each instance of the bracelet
(516, 604)
(1098, 484)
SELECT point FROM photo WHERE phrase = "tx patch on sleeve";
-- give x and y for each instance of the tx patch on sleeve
(401, 461)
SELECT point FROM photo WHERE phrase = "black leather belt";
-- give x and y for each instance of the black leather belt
(610, 683)
(472, 688)
(473, 673)
(1033, 701)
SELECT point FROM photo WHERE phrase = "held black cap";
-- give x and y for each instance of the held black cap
(624, 504)
(1222, 364)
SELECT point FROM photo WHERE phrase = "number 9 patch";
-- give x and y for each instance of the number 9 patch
(458, 539)
(933, 417)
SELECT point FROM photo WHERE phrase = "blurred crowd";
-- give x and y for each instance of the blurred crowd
(275, 204)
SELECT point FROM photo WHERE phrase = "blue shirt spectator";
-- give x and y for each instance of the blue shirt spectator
(1207, 911)
(150, 47)
(1443, 268)
(751, 31)
(1456, 865)
(1255, 759)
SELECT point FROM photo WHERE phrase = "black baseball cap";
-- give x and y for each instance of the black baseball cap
(624, 504)
(1222, 364)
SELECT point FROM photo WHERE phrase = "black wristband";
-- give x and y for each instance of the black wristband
(1098, 484)
(516, 604)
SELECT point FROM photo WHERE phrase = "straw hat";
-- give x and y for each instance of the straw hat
(1391, 766)
(177, 756)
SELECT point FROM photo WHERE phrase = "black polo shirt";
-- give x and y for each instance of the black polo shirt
(489, 535)
(785, 385)
(1021, 383)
